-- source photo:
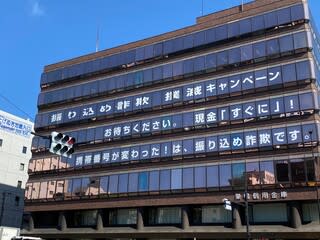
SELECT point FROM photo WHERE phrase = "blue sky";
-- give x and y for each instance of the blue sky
(35, 33)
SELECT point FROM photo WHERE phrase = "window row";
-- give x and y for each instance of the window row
(209, 36)
(216, 176)
(188, 94)
(263, 139)
(245, 54)
(259, 110)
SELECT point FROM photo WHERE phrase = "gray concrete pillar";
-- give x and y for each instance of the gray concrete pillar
(236, 219)
(31, 224)
(62, 222)
(140, 223)
(185, 217)
(295, 220)
(99, 226)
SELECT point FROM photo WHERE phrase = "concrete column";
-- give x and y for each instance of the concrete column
(62, 222)
(185, 217)
(295, 220)
(99, 226)
(140, 223)
(31, 224)
(236, 219)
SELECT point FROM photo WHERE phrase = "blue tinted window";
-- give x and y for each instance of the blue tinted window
(297, 12)
(199, 38)
(259, 49)
(177, 44)
(157, 73)
(284, 16)
(187, 178)
(303, 70)
(147, 75)
(270, 19)
(187, 66)
(289, 73)
(139, 54)
(210, 35)
(199, 177)
(235, 83)
(188, 119)
(156, 99)
(300, 40)
(143, 181)
(176, 179)
(286, 43)
(113, 184)
(212, 176)
(221, 32)
(177, 68)
(158, 49)
(257, 23)
(165, 179)
(222, 58)
(154, 181)
(306, 101)
(225, 176)
(273, 47)
(199, 64)
(168, 47)
(123, 183)
(267, 166)
(148, 52)
(188, 41)
(234, 55)
(211, 61)
(246, 53)
(245, 26)
(133, 182)
(167, 71)
(233, 29)
(238, 170)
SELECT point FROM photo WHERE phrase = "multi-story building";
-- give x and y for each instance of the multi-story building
(168, 126)
(15, 153)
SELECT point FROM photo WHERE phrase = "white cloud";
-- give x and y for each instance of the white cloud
(37, 10)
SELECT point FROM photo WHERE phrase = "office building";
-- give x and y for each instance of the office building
(169, 126)
(15, 153)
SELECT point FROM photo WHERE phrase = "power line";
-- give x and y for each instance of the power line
(14, 105)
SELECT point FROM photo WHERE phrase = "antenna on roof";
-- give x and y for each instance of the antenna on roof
(201, 7)
(97, 38)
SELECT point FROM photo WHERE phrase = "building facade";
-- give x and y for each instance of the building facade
(169, 126)
(15, 153)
